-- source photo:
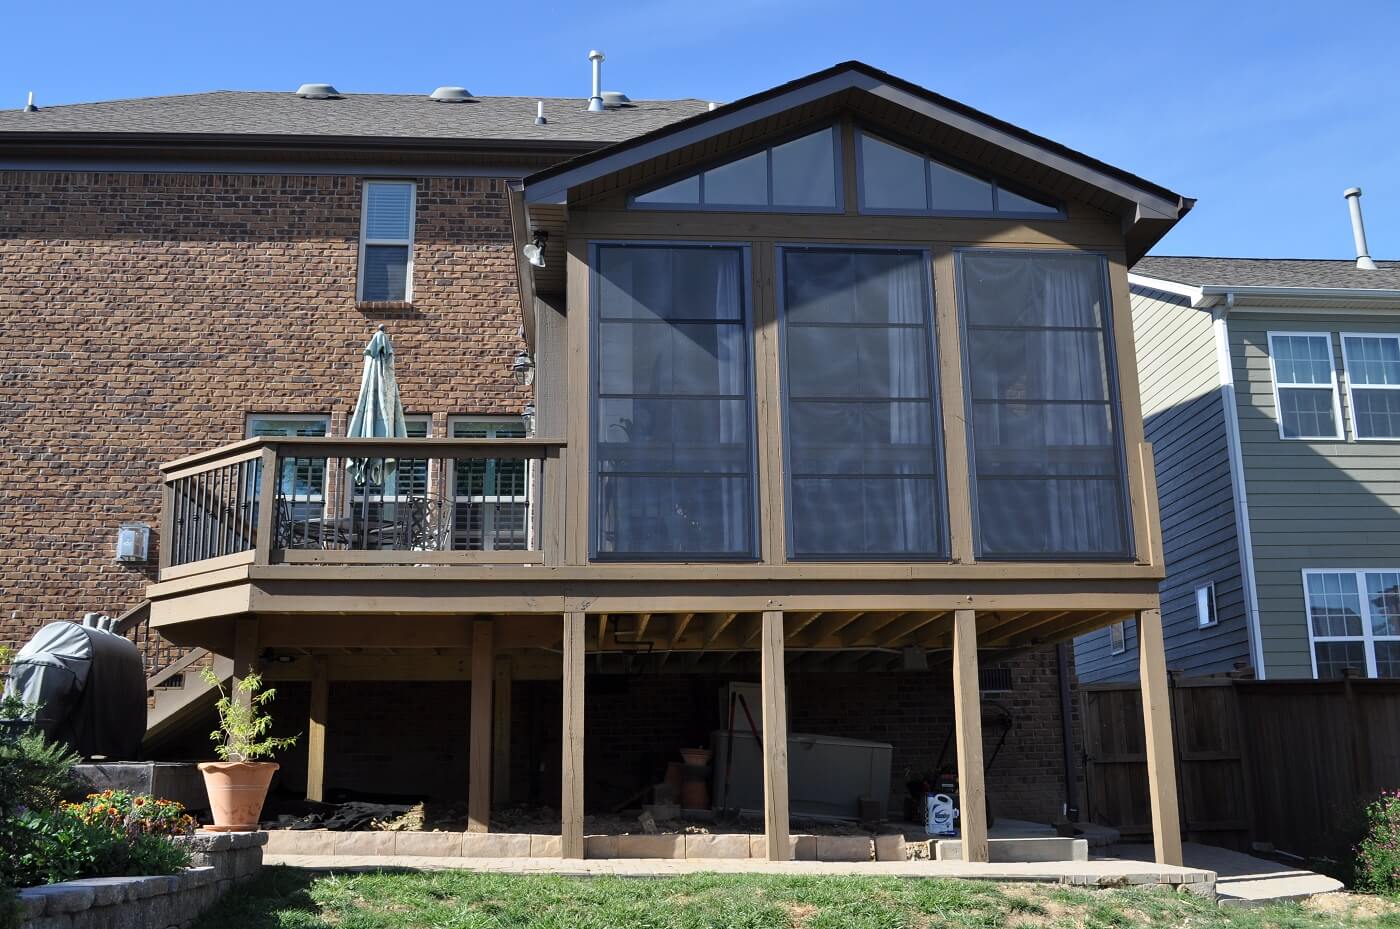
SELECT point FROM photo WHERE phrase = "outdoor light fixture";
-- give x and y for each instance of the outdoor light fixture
(133, 542)
(534, 252)
(527, 416)
(523, 368)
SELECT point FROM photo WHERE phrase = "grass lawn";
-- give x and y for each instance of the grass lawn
(287, 899)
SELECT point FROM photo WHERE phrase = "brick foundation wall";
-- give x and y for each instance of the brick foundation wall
(412, 738)
(147, 314)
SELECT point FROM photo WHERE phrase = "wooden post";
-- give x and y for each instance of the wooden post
(1157, 724)
(967, 716)
(571, 805)
(500, 780)
(775, 741)
(479, 762)
(316, 730)
(245, 654)
(267, 508)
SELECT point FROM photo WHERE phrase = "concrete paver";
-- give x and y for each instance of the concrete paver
(1243, 880)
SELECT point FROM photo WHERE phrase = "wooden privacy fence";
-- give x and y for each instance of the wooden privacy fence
(1289, 763)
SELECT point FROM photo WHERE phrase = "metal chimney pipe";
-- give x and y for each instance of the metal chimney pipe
(1358, 230)
(595, 102)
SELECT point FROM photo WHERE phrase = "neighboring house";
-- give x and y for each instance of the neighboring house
(834, 391)
(1270, 397)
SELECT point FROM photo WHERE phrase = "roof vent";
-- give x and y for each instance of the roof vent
(612, 99)
(30, 107)
(318, 92)
(450, 95)
(1358, 230)
(595, 102)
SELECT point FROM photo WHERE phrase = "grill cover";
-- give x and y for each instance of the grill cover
(90, 686)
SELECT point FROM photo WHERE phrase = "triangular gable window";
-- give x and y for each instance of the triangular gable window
(894, 179)
(798, 176)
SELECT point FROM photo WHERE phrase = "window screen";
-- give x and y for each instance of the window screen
(1373, 377)
(672, 405)
(863, 464)
(386, 234)
(1046, 448)
(1306, 387)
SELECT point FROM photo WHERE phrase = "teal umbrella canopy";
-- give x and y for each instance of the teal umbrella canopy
(378, 412)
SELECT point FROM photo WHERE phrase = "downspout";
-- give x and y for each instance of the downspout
(1067, 733)
(1221, 326)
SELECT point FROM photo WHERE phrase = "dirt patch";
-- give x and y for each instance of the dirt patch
(452, 817)
(799, 913)
(1343, 904)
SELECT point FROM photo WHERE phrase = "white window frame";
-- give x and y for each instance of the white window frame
(355, 493)
(1118, 638)
(364, 241)
(1336, 394)
(322, 418)
(1368, 636)
(1211, 615)
(495, 500)
(1351, 387)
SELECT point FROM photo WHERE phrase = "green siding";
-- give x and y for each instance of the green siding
(1184, 420)
(1312, 504)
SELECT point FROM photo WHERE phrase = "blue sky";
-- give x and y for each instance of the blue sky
(1265, 112)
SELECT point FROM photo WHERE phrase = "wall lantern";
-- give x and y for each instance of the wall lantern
(523, 368)
(527, 416)
(133, 542)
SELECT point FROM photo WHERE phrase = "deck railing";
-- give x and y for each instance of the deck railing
(349, 501)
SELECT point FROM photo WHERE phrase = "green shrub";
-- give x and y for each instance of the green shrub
(99, 838)
(1378, 855)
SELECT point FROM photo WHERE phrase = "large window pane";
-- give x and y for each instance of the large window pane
(804, 172)
(741, 183)
(1047, 456)
(1373, 369)
(1307, 399)
(672, 405)
(891, 178)
(385, 273)
(958, 192)
(864, 474)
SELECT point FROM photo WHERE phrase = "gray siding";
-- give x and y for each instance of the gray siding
(1184, 421)
(1311, 504)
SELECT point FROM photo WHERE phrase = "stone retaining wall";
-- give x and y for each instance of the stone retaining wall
(523, 845)
(218, 862)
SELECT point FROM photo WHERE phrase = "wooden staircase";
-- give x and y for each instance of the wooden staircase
(176, 694)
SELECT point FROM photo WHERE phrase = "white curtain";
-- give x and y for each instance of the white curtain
(909, 379)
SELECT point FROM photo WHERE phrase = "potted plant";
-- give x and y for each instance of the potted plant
(237, 783)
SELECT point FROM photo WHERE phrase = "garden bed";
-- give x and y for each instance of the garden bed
(218, 863)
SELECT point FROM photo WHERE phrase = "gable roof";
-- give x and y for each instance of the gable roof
(1149, 209)
(283, 117)
(1269, 272)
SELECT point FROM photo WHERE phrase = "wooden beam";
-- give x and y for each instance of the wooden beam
(1023, 623)
(967, 712)
(775, 760)
(479, 760)
(500, 742)
(905, 625)
(643, 620)
(316, 729)
(1157, 726)
(824, 631)
(682, 623)
(245, 654)
(715, 626)
(571, 801)
(867, 626)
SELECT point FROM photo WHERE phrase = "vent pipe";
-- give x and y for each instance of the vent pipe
(539, 113)
(595, 102)
(30, 107)
(1358, 230)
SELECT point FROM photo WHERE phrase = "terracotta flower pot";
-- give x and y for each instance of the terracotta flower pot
(237, 790)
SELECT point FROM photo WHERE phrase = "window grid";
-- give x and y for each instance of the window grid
(694, 195)
(1118, 638)
(490, 496)
(1353, 620)
(300, 481)
(369, 242)
(1372, 363)
(933, 170)
(410, 479)
(1302, 367)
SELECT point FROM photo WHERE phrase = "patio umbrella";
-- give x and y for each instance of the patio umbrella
(378, 412)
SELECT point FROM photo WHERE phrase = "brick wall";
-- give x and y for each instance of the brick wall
(146, 314)
(412, 738)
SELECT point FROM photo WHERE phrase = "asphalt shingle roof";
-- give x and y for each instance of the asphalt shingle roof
(1270, 272)
(405, 116)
